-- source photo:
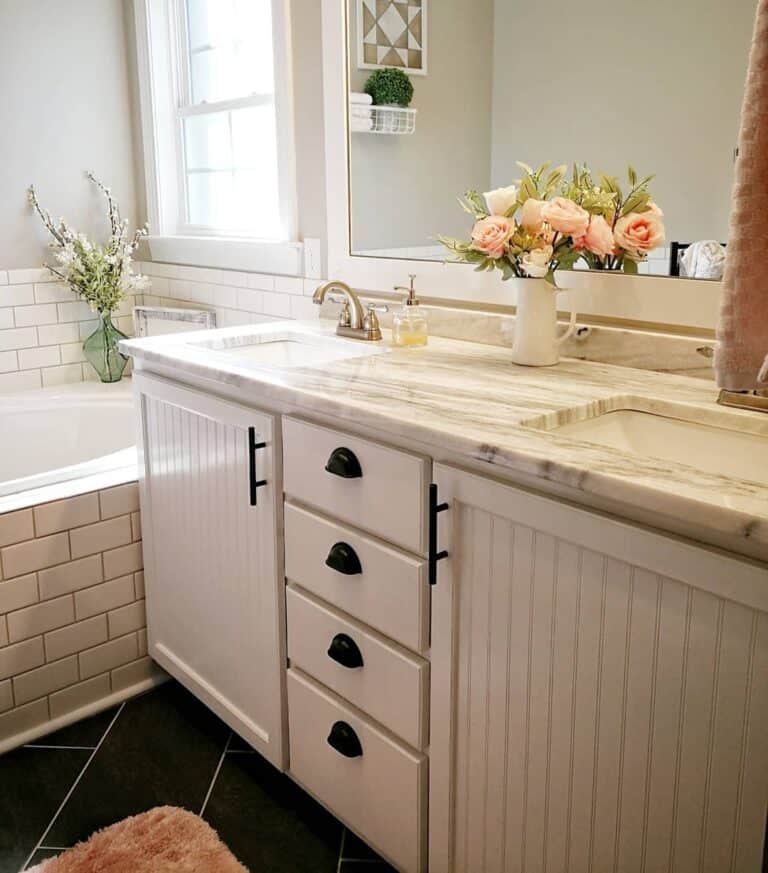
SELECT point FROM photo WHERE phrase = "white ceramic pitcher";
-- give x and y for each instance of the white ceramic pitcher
(536, 341)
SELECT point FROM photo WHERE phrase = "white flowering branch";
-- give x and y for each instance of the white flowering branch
(100, 275)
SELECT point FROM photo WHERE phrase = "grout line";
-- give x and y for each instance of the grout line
(341, 848)
(215, 775)
(73, 786)
(44, 746)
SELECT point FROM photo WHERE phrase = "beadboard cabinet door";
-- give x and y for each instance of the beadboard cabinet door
(599, 693)
(212, 559)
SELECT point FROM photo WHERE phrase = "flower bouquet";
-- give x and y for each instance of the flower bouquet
(102, 275)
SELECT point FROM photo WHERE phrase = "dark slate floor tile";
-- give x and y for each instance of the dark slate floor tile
(354, 849)
(33, 783)
(83, 733)
(163, 749)
(238, 744)
(42, 855)
(365, 867)
(268, 822)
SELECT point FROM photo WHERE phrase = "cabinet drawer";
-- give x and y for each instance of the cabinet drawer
(380, 793)
(390, 592)
(375, 675)
(377, 488)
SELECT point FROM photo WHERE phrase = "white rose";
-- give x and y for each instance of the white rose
(501, 200)
(535, 264)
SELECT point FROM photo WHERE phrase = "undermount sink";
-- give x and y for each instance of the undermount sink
(289, 349)
(725, 446)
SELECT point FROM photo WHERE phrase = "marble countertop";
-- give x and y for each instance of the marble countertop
(470, 400)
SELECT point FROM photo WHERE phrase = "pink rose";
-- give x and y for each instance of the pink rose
(491, 236)
(532, 214)
(598, 239)
(654, 208)
(565, 216)
(639, 232)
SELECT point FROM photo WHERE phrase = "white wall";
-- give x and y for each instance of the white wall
(65, 106)
(404, 188)
(658, 85)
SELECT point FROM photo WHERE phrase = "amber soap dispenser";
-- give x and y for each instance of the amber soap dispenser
(409, 325)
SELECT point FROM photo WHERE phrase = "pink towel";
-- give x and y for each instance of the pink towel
(743, 330)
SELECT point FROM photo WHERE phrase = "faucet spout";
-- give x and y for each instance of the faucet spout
(356, 314)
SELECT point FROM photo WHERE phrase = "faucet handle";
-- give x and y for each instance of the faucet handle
(377, 307)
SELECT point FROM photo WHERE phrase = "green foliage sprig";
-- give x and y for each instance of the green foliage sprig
(390, 85)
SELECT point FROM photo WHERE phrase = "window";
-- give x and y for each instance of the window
(217, 118)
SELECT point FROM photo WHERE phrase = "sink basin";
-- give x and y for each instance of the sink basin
(710, 447)
(286, 349)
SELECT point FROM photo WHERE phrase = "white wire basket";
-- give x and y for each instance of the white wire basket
(389, 120)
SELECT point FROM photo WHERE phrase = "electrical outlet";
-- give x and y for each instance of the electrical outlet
(313, 268)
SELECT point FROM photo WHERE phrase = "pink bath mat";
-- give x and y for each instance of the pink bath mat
(163, 840)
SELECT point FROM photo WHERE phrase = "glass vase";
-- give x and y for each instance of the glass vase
(101, 351)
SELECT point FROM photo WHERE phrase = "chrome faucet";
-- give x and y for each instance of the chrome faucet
(353, 321)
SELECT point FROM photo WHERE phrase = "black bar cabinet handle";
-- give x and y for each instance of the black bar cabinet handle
(434, 556)
(254, 483)
(344, 650)
(343, 462)
(344, 739)
(343, 559)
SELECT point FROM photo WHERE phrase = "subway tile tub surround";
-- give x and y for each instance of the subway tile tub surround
(73, 636)
(42, 329)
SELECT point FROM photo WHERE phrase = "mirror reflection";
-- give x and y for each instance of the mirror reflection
(447, 96)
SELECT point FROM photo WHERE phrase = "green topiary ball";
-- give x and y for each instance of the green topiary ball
(390, 86)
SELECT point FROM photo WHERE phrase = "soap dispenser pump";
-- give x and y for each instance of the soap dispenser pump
(409, 325)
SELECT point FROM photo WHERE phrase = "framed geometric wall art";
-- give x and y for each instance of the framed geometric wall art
(392, 33)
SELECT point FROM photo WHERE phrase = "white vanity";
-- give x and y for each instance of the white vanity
(578, 691)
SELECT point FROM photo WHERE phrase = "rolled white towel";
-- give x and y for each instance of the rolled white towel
(356, 98)
(361, 111)
(360, 124)
(703, 260)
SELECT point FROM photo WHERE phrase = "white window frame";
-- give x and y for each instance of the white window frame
(162, 60)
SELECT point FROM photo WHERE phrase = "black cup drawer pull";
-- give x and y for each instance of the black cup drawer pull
(343, 559)
(343, 738)
(343, 462)
(344, 650)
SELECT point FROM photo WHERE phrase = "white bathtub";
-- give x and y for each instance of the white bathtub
(60, 441)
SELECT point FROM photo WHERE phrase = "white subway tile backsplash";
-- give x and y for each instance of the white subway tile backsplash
(86, 328)
(35, 274)
(17, 295)
(54, 334)
(128, 618)
(6, 695)
(250, 301)
(108, 655)
(100, 536)
(34, 555)
(76, 637)
(277, 304)
(79, 695)
(28, 380)
(64, 514)
(15, 527)
(289, 285)
(6, 319)
(3, 631)
(9, 361)
(24, 718)
(76, 311)
(21, 338)
(132, 674)
(62, 375)
(119, 501)
(42, 617)
(44, 680)
(72, 353)
(127, 559)
(42, 356)
(30, 316)
(18, 593)
(101, 598)
(73, 576)
(21, 657)
(3, 277)
(53, 293)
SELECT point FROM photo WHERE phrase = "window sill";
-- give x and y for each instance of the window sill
(286, 258)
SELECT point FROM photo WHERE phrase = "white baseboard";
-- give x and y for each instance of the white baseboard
(47, 727)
